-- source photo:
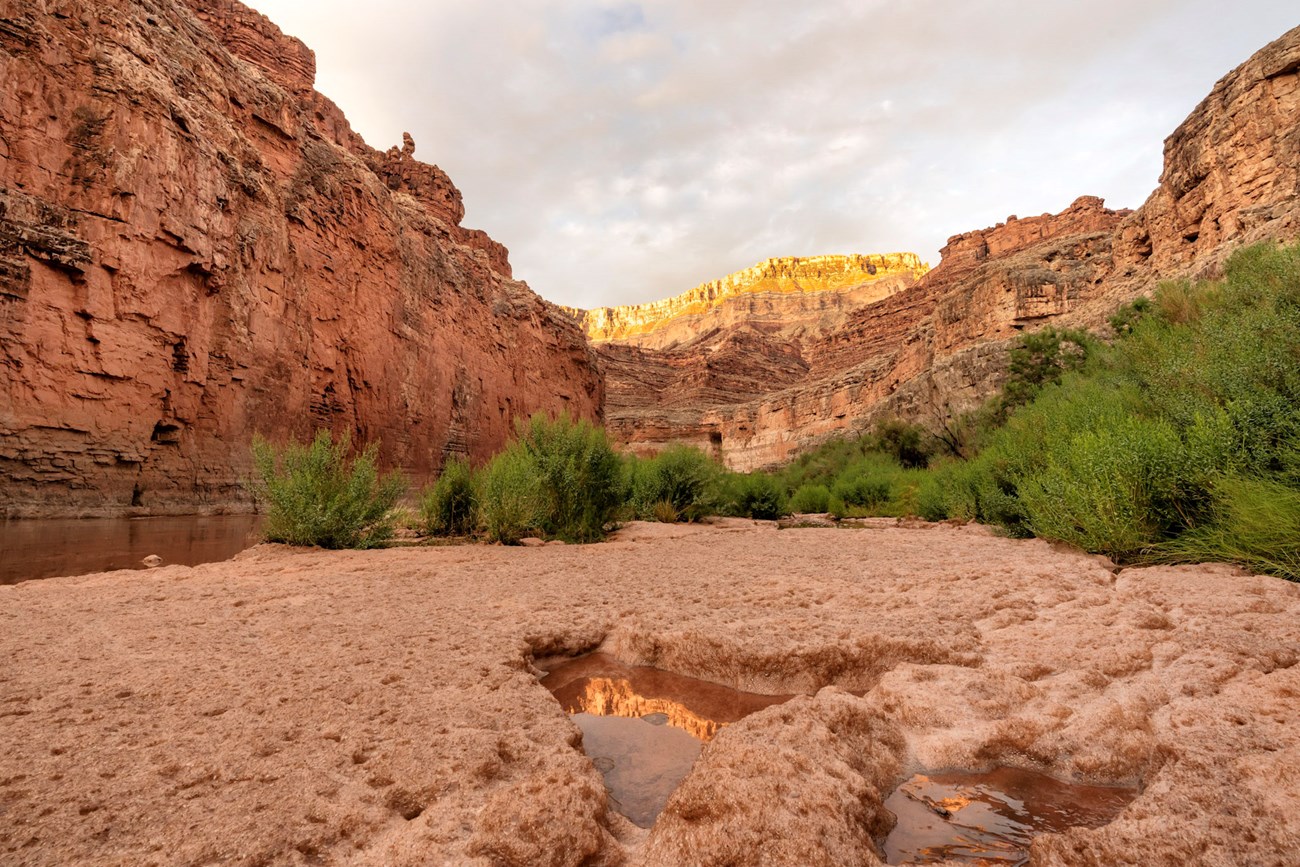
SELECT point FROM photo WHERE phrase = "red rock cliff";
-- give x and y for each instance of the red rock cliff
(194, 246)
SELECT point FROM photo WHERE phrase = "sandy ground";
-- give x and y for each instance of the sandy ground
(381, 708)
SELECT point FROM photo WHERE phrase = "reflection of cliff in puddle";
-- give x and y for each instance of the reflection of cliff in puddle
(990, 818)
(642, 727)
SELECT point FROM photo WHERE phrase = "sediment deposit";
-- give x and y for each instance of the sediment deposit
(194, 245)
(309, 707)
(1231, 177)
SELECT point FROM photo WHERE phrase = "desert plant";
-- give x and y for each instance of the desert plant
(809, 499)
(862, 489)
(558, 478)
(316, 495)
(909, 444)
(836, 508)
(1180, 439)
(681, 476)
(757, 495)
(450, 506)
(580, 472)
(664, 512)
(513, 502)
(1112, 489)
(1039, 358)
(931, 502)
(1256, 523)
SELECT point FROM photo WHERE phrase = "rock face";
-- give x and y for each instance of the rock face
(793, 295)
(194, 245)
(1231, 177)
(1232, 170)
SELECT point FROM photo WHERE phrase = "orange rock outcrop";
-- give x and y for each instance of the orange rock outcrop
(756, 396)
(194, 245)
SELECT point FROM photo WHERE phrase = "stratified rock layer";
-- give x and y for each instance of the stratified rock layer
(380, 708)
(755, 398)
(194, 246)
(793, 296)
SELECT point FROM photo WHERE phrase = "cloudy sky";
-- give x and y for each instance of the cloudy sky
(627, 151)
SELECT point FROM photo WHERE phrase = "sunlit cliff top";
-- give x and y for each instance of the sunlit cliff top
(785, 275)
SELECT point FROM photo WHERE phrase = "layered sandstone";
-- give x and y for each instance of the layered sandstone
(1231, 177)
(194, 245)
(793, 295)
(296, 707)
(1231, 170)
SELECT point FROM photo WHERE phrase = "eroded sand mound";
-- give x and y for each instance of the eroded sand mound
(381, 707)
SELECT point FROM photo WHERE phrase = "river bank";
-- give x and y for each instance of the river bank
(296, 706)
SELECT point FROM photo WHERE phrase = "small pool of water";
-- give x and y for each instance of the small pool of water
(46, 548)
(990, 818)
(642, 727)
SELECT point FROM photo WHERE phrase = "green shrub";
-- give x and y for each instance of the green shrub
(755, 495)
(316, 495)
(513, 502)
(558, 478)
(1110, 489)
(1256, 523)
(1040, 358)
(680, 476)
(836, 508)
(809, 499)
(664, 512)
(909, 444)
(1179, 440)
(931, 501)
(863, 489)
(953, 486)
(450, 507)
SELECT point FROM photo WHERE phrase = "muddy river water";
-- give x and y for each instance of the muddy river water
(46, 548)
(990, 818)
(644, 728)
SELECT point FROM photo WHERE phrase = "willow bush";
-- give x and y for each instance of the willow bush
(318, 494)
(558, 478)
(450, 506)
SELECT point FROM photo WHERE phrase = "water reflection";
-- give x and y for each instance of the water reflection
(46, 548)
(990, 818)
(644, 728)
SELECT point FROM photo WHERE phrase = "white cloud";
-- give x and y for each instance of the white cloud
(626, 151)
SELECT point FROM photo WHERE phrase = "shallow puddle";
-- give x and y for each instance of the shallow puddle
(642, 727)
(990, 818)
(45, 548)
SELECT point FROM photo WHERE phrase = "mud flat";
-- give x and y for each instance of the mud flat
(306, 707)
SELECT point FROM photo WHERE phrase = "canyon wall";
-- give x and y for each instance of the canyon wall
(194, 245)
(756, 399)
(795, 295)
(939, 347)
